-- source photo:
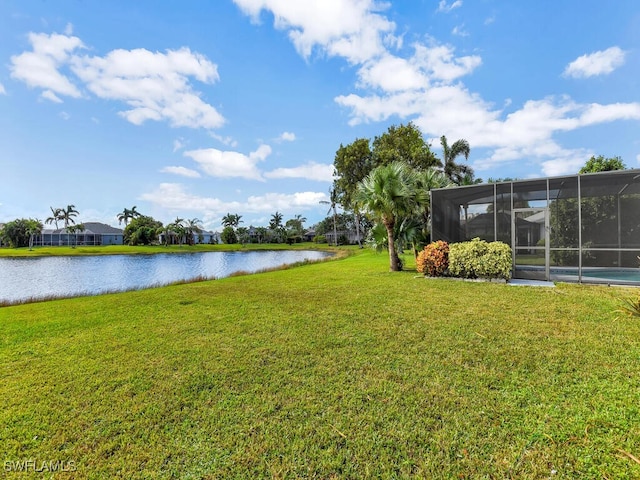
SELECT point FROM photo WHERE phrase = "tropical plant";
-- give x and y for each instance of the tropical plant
(404, 143)
(144, 230)
(16, 233)
(34, 227)
(333, 200)
(177, 227)
(67, 215)
(231, 220)
(229, 236)
(277, 232)
(243, 235)
(192, 228)
(480, 259)
(388, 193)
(455, 172)
(56, 216)
(74, 230)
(126, 215)
(630, 307)
(602, 164)
(433, 260)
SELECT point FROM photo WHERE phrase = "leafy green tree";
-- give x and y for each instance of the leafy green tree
(351, 164)
(229, 236)
(261, 234)
(126, 215)
(16, 233)
(242, 233)
(404, 143)
(295, 227)
(389, 193)
(456, 172)
(143, 230)
(602, 164)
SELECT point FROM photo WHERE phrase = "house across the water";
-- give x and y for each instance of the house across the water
(94, 233)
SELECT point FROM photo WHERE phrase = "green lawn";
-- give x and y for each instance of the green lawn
(331, 370)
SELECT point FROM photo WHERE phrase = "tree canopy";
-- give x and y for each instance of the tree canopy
(602, 164)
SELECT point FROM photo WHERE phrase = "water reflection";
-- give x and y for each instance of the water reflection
(32, 278)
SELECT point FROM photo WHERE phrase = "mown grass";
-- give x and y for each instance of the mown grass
(331, 370)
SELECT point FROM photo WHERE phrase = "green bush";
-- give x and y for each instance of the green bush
(479, 259)
(229, 236)
(434, 259)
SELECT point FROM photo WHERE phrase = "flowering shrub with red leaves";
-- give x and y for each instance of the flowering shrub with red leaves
(434, 259)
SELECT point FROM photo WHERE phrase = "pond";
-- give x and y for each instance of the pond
(24, 279)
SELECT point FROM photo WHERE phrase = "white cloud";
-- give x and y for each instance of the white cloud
(172, 196)
(638, 159)
(64, 115)
(352, 29)
(2, 90)
(445, 7)
(602, 62)
(227, 164)
(182, 171)
(460, 31)
(154, 85)
(228, 141)
(40, 67)
(287, 137)
(49, 95)
(178, 144)
(320, 172)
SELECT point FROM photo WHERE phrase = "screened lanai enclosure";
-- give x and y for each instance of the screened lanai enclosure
(583, 228)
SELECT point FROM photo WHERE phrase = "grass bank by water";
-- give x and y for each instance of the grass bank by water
(331, 370)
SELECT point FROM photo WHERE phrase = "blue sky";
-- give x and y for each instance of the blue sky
(198, 109)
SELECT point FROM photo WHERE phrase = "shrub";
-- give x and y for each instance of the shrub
(478, 258)
(229, 236)
(434, 259)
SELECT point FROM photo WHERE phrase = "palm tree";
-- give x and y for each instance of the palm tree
(34, 227)
(192, 227)
(177, 227)
(75, 229)
(333, 200)
(389, 194)
(67, 214)
(56, 216)
(127, 215)
(231, 220)
(454, 171)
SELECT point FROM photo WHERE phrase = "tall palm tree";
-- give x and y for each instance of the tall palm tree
(66, 215)
(192, 227)
(232, 220)
(34, 227)
(389, 194)
(455, 171)
(127, 215)
(178, 229)
(333, 200)
(56, 216)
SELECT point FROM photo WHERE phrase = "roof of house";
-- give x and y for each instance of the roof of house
(95, 228)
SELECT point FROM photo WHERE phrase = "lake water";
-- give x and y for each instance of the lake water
(32, 278)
